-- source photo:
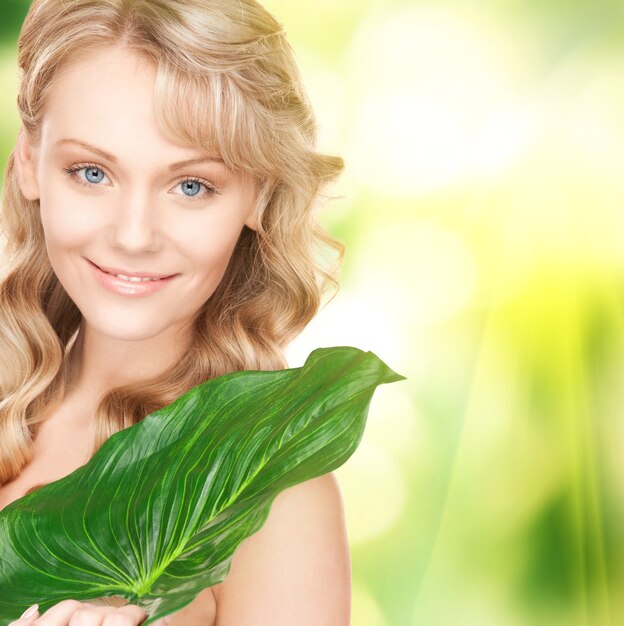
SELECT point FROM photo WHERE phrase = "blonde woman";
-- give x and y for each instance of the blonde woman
(159, 231)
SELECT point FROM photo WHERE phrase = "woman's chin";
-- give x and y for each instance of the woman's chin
(129, 329)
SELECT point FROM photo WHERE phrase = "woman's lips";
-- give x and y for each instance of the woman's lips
(124, 287)
(114, 270)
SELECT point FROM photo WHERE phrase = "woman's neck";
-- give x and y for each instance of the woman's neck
(99, 363)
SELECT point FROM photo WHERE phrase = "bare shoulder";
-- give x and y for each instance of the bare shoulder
(296, 569)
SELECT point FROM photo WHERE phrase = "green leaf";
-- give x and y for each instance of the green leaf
(158, 511)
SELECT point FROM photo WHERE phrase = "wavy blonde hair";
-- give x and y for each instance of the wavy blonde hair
(226, 81)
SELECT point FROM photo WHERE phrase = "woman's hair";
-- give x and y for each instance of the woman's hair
(226, 82)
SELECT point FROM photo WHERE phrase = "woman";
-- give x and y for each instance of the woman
(159, 231)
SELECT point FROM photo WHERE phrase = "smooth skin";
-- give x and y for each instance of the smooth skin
(128, 210)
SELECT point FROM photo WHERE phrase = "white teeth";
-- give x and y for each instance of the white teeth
(134, 279)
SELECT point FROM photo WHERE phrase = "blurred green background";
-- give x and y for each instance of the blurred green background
(482, 212)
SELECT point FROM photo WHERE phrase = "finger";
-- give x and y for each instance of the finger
(85, 616)
(62, 614)
(90, 615)
(28, 616)
(129, 615)
(58, 612)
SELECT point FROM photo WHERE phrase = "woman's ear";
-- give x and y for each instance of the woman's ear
(26, 166)
(253, 220)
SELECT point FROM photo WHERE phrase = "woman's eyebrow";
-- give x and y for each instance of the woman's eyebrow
(113, 159)
(88, 146)
(180, 164)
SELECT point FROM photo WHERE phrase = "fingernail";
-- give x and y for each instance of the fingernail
(30, 611)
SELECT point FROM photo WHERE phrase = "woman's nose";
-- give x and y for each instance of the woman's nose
(135, 224)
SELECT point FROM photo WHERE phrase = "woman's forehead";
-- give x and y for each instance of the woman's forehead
(100, 94)
(85, 68)
(106, 98)
(122, 91)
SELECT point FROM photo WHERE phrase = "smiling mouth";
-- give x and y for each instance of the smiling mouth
(133, 277)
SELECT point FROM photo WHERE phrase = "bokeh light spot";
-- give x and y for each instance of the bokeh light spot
(438, 87)
(365, 609)
(425, 267)
(374, 492)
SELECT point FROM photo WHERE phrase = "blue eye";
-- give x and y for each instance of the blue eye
(93, 174)
(90, 174)
(191, 187)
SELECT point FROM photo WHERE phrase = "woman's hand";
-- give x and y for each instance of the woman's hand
(74, 613)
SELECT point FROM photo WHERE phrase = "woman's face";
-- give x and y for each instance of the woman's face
(117, 195)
